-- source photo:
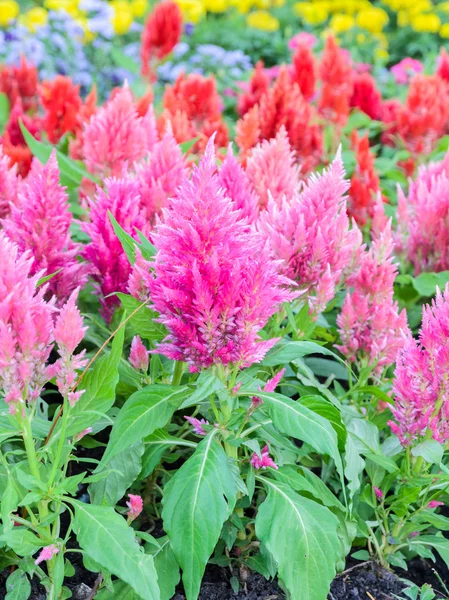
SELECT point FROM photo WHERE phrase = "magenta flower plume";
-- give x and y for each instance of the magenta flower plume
(264, 460)
(272, 169)
(215, 285)
(421, 383)
(46, 553)
(26, 328)
(269, 387)
(40, 222)
(160, 175)
(135, 506)
(138, 356)
(8, 184)
(312, 237)
(197, 425)
(110, 264)
(238, 187)
(115, 136)
(69, 331)
(423, 216)
(378, 493)
(434, 504)
(371, 328)
(140, 278)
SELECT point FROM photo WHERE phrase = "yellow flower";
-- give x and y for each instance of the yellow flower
(341, 23)
(420, 6)
(192, 10)
(277, 3)
(139, 8)
(313, 14)
(403, 18)
(444, 31)
(123, 16)
(216, 6)
(9, 10)
(262, 4)
(261, 19)
(381, 54)
(372, 19)
(361, 38)
(444, 6)
(428, 23)
(243, 6)
(35, 18)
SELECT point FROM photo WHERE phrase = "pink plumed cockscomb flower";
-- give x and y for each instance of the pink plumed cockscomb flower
(269, 387)
(311, 235)
(238, 187)
(272, 170)
(40, 222)
(69, 331)
(26, 328)
(404, 70)
(264, 460)
(434, 504)
(160, 174)
(371, 328)
(115, 136)
(135, 506)
(421, 382)
(138, 356)
(8, 184)
(378, 493)
(47, 553)
(423, 233)
(110, 265)
(197, 425)
(215, 284)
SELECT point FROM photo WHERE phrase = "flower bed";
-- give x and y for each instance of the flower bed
(224, 311)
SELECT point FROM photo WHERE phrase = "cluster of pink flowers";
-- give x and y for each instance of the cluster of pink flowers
(215, 284)
(28, 332)
(312, 236)
(40, 222)
(135, 506)
(371, 328)
(421, 382)
(264, 460)
(423, 234)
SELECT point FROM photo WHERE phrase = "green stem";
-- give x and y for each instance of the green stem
(65, 414)
(215, 409)
(177, 373)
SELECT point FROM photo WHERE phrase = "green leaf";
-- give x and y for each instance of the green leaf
(145, 411)
(99, 385)
(302, 537)
(107, 539)
(327, 410)
(18, 586)
(426, 283)
(166, 566)
(43, 280)
(430, 450)
(128, 243)
(155, 446)
(125, 466)
(7, 428)
(4, 111)
(71, 172)
(307, 481)
(354, 465)
(22, 541)
(438, 542)
(187, 146)
(296, 420)
(142, 322)
(197, 501)
(284, 352)
(121, 590)
(125, 62)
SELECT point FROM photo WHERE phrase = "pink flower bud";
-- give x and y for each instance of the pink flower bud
(135, 505)
(81, 434)
(434, 504)
(264, 460)
(47, 553)
(379, 493)
(197, 425)
(138, 356)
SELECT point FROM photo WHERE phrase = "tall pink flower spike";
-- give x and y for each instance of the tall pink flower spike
(421, 384)
(272, 169)
(215, 284)
(371, 328)
(311, 234)
(238, 187)
(40, 222)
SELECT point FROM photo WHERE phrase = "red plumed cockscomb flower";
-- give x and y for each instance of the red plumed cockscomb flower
(62, 103)
(365, 185)
(337, 84)
(14, 144)
(304, 73)
(443, 65)
(366, 96)
(161, 33)
(257, 86)
(20, 82)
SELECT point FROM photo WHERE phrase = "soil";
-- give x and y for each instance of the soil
(364, 581)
